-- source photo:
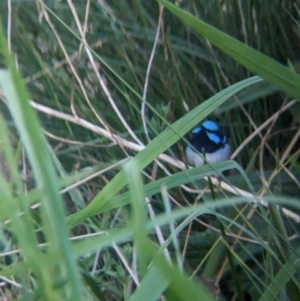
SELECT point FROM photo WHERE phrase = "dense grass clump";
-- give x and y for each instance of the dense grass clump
(98, 99)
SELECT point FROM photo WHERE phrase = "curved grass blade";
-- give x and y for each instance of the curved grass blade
(275, 73)
(259, 90)
(175, 180)
(120, 236)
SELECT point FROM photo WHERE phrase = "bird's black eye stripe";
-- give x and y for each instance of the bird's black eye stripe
(210, 131)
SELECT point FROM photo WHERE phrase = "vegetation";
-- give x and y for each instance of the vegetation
(98, 98)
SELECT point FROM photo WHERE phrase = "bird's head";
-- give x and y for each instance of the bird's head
(211, 140)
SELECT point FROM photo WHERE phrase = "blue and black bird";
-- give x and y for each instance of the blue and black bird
(209, 139)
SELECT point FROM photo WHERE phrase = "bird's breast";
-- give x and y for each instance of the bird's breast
(196, 159)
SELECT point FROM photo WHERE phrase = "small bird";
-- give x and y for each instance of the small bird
(207, 137)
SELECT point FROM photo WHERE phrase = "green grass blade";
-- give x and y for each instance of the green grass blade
(139, 214)
(278, 75)
(254, 92)
(175, 180)
(54, 225)
(282, 278)
(153, 285)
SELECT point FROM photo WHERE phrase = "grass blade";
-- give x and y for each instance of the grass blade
(278, 75)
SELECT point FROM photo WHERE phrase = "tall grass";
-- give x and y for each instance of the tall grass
(97, 202)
